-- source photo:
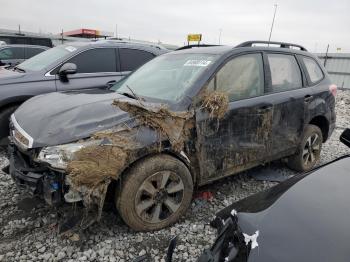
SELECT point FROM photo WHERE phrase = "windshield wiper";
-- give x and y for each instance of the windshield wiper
(132, 95)
(19, 69)
(128, 95)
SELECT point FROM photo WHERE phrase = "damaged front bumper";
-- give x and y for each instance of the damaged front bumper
(36, 179)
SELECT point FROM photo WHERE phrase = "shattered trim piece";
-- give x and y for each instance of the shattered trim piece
(253, 239)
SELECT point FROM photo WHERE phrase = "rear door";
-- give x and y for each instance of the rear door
(287, 94)
(241, 138)
(96, 68)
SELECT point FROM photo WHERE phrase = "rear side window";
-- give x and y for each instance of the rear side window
(95, 60)
(130, 59)
(12, 53)
(30, 52)
(285, 72)
(313, 69)
(240, 78)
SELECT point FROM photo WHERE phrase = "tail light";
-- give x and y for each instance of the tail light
(333, 89)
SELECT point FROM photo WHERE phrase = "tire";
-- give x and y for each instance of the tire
(307, 156)
(5, 115)
(155, 193)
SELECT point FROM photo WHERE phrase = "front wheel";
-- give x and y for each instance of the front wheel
(309, 150)
(155, 193)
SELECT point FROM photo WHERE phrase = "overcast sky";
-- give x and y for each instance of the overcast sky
(311, 23)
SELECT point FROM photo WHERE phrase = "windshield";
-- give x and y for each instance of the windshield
(166, 77)
(44, 59)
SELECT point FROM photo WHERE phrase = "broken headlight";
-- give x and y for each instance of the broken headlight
(59, 156)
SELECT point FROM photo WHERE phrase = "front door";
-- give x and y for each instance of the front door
(96, 68)
(241, 138)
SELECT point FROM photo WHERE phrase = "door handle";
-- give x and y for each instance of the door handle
(111, 83)
(308, 98)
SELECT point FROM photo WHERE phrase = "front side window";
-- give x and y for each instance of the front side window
(12, 53)
(285, 72)
(313, 69)
(131, 59)
(167, 77)
(95, 60)
(240, 78)
(6, 54)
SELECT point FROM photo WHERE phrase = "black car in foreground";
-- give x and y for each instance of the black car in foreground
(305, 218)
(182, 120)
(73, 66)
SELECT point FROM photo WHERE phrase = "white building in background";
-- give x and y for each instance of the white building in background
(338, 67)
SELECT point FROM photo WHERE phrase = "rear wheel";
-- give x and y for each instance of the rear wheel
(309, 150)
(5, 115)
(155, 193)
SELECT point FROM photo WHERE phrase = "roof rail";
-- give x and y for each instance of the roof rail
(191, 46)
(123, 41)
(281, 44)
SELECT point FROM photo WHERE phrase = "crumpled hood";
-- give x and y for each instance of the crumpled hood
(59, 118)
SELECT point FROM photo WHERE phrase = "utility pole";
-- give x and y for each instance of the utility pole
(116, 31)
(273, 21)
(326, 57)
(62, 37)
(220, 31)
(19, 29)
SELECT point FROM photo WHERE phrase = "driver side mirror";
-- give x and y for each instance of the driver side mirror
(345, 137)
(67, 69)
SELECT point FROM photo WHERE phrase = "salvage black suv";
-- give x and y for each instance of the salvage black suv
(182, 120)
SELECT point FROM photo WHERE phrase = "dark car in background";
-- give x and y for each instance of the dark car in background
(72, 66)
(305, 218)
(22, 39)
(182, 120)
(11, 55)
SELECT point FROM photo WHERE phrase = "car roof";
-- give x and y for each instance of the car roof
(116, 43)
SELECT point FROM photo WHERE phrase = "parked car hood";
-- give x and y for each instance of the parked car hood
(303, 219)
(9, 76)
(59, 118)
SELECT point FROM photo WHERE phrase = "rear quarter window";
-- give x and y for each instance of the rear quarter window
(313, 69)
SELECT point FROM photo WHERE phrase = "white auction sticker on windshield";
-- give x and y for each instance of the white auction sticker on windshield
(70, 48)
(197, 63)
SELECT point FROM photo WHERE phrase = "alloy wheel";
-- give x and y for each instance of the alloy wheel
(311, 149)
(159, 196)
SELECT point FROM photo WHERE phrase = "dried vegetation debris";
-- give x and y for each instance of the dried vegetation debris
(95, 166)
(173, 125)
(215, 103)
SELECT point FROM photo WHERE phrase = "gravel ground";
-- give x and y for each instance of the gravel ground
(32, 235)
